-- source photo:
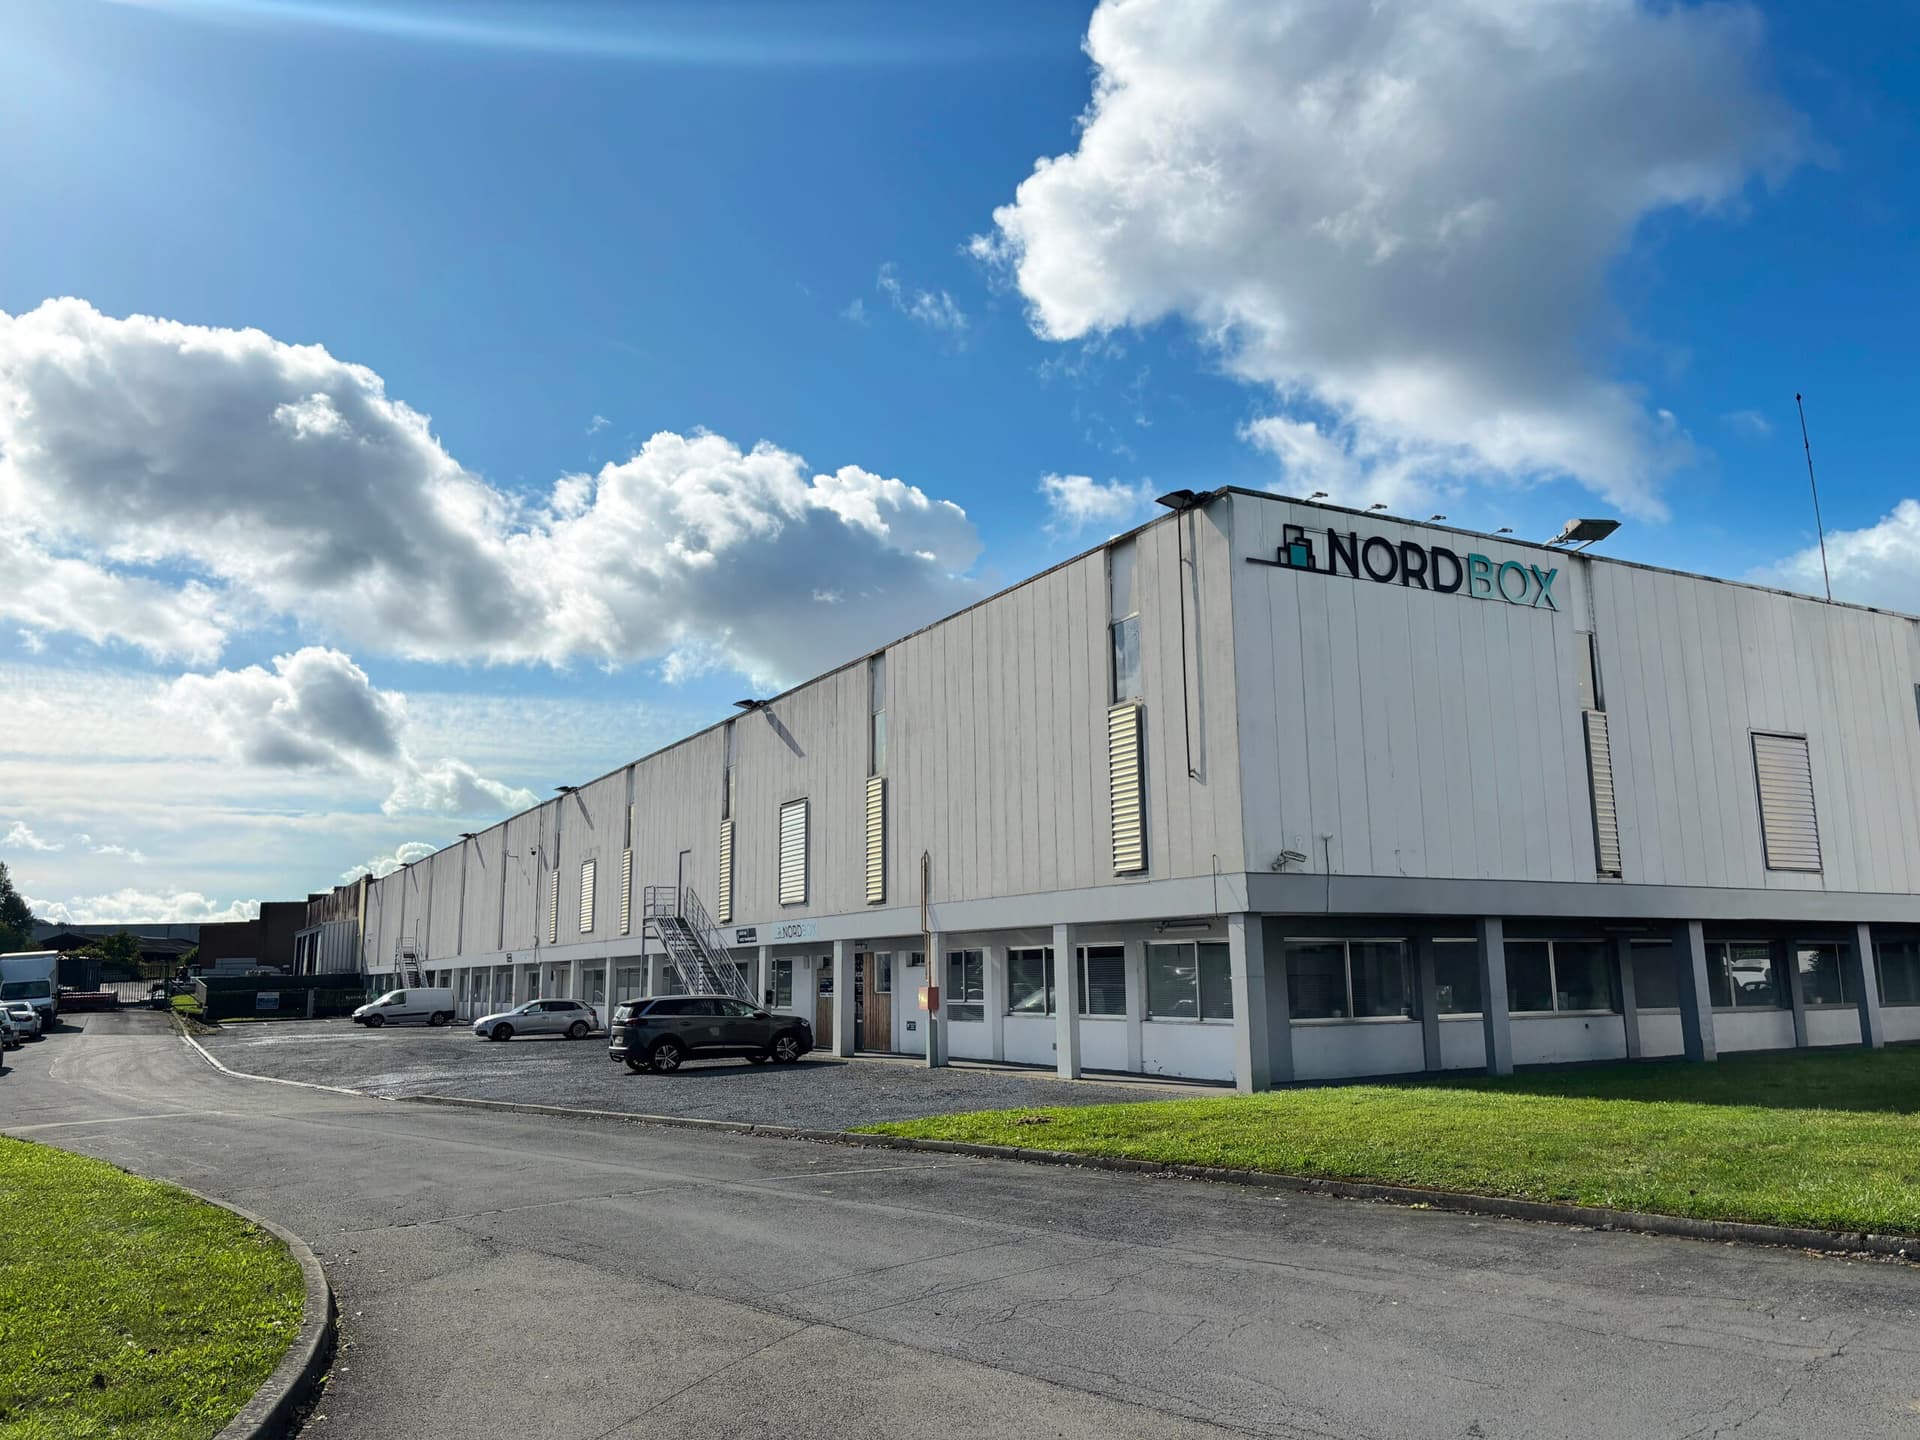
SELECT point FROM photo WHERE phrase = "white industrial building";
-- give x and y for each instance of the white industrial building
(1262, 791)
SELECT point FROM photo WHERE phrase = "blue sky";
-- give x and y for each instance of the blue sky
(558, 230)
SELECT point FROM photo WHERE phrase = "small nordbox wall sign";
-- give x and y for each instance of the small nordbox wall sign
(793, 930)
(1425, 567)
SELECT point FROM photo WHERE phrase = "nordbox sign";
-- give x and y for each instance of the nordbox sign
(1426, 567)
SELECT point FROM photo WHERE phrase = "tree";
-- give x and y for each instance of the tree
(118, 954)
(16, 920)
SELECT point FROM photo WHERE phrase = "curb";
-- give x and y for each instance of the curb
(207, 1056)
(1593, 1217)
(268, 1415)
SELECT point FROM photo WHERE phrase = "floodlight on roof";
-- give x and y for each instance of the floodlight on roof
(1178, 500)
(1318, 495)
(1582, 533)
(1432, 518)
(1377, 505)
(748, 704)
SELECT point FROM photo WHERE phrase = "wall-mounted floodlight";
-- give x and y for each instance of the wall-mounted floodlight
(1318, 495)
(1581, 533)
(1377, 505)
(1178, 500)
(566, 789)
(748, 704)
(1504, 530)
(466, 834)
(1432, 518)
(1174, 927)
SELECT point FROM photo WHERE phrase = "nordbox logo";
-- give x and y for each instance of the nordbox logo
(1429, 567)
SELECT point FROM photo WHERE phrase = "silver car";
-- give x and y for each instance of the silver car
(9, 1032)
(572, 1018)
(25, 1018)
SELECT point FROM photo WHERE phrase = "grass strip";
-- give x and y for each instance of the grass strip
(1825, 1140)
(128, 1307)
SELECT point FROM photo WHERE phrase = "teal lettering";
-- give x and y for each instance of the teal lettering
(1545, 581)
(1501, 580)
(1479, 577)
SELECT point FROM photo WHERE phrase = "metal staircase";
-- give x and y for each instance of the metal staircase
(680, 923)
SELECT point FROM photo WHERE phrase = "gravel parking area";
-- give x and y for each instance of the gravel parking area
(818, 1093)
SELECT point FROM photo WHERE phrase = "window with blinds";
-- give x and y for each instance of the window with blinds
(793, 853)
(553, 907)
(723, 881)
(876, 839)
(1783, 772)
(588, 873)
(626, 891)
(1126, 792)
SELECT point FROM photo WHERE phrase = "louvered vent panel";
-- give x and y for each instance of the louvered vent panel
(876, 839)
(793, 853)
(588, 874)
(1784, 772)
(1606, 816)
(626, 891)
(723, 888)
(553, 908)
(1126, 726)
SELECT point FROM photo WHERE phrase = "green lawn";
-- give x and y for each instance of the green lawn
(127, 1307)
(1830, 1140)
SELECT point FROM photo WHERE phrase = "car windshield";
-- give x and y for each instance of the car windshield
(26, 990)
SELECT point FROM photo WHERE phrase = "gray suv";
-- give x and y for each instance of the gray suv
(662, 1035)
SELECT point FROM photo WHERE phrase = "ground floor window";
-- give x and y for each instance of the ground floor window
(1656, 976)
(1823, 974)
(1456, 977)
(1348, 979)
(597, 985)
(1740, 975)
(882, 972)
(1030, 981)
(782, 979)
(1189, 981)
(1103, 980)
(1547, 976)
(966, 997)
(1899, 971)
(671, 980)
(630, 982)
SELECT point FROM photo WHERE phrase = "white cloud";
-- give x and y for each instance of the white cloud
(219, 477)
(1398, 217)
(317, 710)
(47, 592)
(855, 310)
(103, 847)
(381, 865)
(1878, 565)
(597, 424)
(1077, 501)
(20, 837)
(143, 907)
(1750, 423)
(935, 309)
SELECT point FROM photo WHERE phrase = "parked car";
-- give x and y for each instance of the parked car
(662, 1035)
(25, 1018)
(9, 1033)
(417, 1005)
(570, 1018)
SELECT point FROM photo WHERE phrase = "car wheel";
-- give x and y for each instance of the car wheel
(636, 1066)
(439, 1017)
(502, 1031)
(577, 1030)
(374, 1022)
(786, 1048)
(666, 1057)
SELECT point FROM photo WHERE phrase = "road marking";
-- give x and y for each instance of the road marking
(201, 1050)
(114, 1120)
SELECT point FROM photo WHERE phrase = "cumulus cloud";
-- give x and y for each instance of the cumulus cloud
(105, 847)
(935, 309)
(1077, 501)
(318, 710)
(1878, 565)
(381, 865)
(221, 475)
(52, 593)
(143, 907)
(1398, 217)
(1749, 423)
(20, 836)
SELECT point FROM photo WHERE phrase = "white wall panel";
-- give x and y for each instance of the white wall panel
(1332, 1052)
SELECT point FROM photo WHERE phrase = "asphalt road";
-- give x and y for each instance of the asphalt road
(819, 1093)
(505, 1275)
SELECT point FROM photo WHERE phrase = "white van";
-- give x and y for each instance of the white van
(418, 1004)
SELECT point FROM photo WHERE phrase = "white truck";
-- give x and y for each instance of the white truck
(33, 976)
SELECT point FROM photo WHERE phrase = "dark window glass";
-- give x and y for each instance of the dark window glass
(1382, 979)
(1126, 659)
(1583, 975)
(668, 1007)
(1456, 973)
(1173, 982)
(1821, 979)
(1103, 980)
(1656, 981)
(1030, 982)
(1741, 971)
(1719, 982)
(1529, 976)
(1317, 979)
(1216, 982)
(966, 985)
(1899, 971)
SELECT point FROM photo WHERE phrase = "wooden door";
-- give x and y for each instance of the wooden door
(876, 1005)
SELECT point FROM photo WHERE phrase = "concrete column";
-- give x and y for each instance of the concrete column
(574, 992)
(1066, 1002)
(1786, 971)
(1252, 1028)
(763, 977)
(1136, 963)
(936, 1014)
(1696, 999)
(995, 960)
(1428, 979)
(1629, 1005)
(843, 997)
(1863, 973)
(1495, 1023)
